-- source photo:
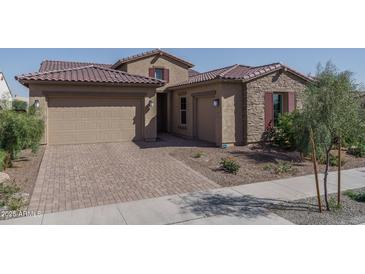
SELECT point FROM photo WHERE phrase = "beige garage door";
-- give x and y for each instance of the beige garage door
(78, 120)
(206, 119)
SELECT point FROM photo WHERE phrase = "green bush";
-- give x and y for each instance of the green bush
(333, 160)
(5, 160)
(198, 154)
(19, 131)
(2, 159)
(357, 151)
(19, 105)
(355, 195)
(280, 168)
(9, 196)
(230, 165)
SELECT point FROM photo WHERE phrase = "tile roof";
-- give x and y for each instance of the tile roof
(193, 72)
(150, 53)
(88, 74)
(238, 72)
(49, 65)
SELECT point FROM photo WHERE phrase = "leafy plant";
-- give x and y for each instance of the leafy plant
(333, 160)
(356, 195)
(19, 131)
(358, 151)
(280, 168)
(2, 159)
(230, 165)
(332, 202)
(19, 105)
(9, 196)
(198, 154)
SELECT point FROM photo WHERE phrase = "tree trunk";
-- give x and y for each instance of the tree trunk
(315, 168)
(325, 179)
(339, 173)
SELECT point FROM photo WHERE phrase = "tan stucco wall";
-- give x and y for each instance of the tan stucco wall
(228, 116)
(40, 91)
(188, 130)
(254, 116)
(177, 72)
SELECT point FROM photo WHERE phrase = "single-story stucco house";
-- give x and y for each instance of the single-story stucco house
(139, 96)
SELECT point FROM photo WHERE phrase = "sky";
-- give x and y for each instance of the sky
(18, 61)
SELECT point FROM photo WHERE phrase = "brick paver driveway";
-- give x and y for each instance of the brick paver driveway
(79, 176)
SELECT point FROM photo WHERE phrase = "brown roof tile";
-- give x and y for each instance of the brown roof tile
(150, 53)
(88, 74)
(193, 72)
(49, 65)
(238, 72)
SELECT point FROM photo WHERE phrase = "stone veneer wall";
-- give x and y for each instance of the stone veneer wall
(254, 109)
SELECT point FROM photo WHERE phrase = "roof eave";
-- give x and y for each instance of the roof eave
(27, 82)
(207, 82)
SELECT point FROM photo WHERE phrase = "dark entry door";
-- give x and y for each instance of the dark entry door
(162, 112)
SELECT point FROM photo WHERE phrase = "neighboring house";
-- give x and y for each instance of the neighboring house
(5, 93)
(141, 95)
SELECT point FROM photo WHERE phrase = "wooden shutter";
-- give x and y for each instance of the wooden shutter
(291, 101)
(269, 110)
(151, 72)
(166, 75)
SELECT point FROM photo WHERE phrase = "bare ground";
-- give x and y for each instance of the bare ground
(24, 170)
(254, 162)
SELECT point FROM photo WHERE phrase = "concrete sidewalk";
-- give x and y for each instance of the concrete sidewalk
(233, 205)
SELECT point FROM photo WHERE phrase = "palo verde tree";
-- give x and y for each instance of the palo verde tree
(331, 109)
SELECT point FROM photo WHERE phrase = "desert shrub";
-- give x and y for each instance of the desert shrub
(230, 165)
(198, 154)
(285, 135)
(280, 168)
(9, 196)
(333, 204)
(5, 160)
(333, 160)
(19, 131)
(2, 159)
(355, 195)
(18, 105)
(358, 151)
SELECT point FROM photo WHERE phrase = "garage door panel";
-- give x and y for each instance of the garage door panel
(92, 120)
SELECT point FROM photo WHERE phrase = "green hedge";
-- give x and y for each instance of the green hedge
(19, 131)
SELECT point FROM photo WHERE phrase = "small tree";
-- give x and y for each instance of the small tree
(331, 108)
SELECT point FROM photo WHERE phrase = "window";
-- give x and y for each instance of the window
(159, 73)
(183, 110)
(278, 106)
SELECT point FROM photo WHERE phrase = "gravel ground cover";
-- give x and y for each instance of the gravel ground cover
(305, 211)
(25, 169)
(257, 164)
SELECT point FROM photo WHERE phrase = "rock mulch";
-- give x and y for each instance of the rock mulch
(256, 163)
(305, 211)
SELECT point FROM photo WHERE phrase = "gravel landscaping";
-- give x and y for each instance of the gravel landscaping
(305, 211)
(257, 164)
(24, 170)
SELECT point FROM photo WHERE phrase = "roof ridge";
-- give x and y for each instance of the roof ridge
(209, 71)
(276, 63)
(75, 62)
(89, 66)
(228, 70)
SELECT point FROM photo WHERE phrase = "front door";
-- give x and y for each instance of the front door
(161, 112)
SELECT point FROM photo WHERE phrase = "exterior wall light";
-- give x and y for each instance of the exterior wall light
(215, 103)
(36, 104)
(150, 104)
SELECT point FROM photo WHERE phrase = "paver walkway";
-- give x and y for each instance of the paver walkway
(90, 175)
(243, 204)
